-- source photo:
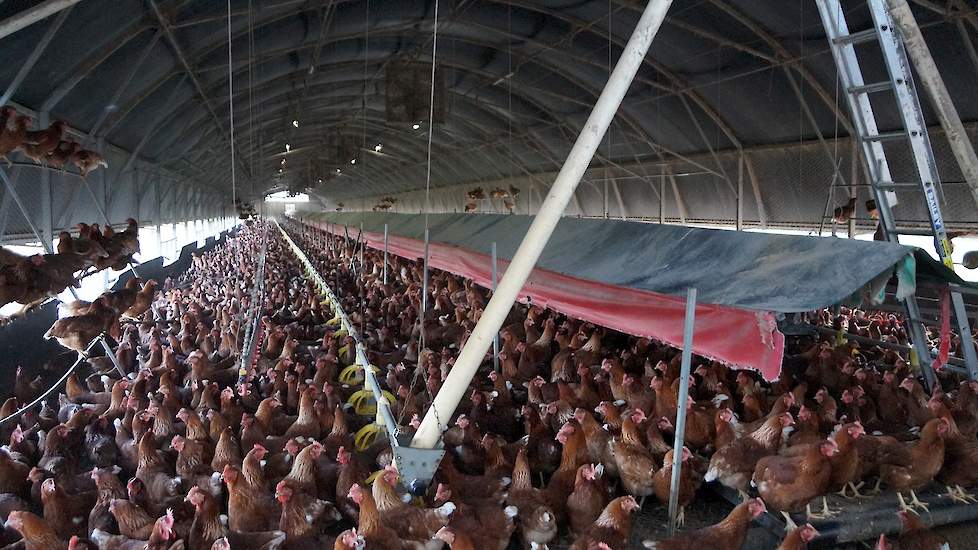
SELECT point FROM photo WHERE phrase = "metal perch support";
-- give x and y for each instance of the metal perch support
(677, 448)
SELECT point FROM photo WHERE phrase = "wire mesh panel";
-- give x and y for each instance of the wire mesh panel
(27, 185)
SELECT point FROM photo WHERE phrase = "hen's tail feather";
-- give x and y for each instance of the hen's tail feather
(711, 475)
(446, 509)
(100, 537)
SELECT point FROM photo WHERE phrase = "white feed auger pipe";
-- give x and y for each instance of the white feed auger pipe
(438, 415)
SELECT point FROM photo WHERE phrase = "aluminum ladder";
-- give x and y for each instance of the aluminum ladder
(914, 133)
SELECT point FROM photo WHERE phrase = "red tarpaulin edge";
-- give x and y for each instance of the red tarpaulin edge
(737, 337)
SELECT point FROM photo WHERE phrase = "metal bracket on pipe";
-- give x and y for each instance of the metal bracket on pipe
(677, 450)
(417, 467)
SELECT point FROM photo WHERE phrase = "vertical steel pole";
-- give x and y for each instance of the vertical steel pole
(495, 339)
(677, 450)
(158, 218)
(12, 191)
(385, 253)
(853, 180)
(606, 194)
(424, 290)
(47, 224)
(662, 198)
(964, 330)
(740, 192)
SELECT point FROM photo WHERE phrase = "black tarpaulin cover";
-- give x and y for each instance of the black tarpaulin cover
(758, 271)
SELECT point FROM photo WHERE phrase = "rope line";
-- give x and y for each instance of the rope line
(234, 196)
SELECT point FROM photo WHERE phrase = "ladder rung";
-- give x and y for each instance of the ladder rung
(872, 88)
(857, 37)
(956, 369)
(886, 136)
(895, 184)
(912, 231)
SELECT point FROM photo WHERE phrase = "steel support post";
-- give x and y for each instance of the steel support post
(680, 203)
(495, 338)
(854, 183)
(740, 192)
(756, 188)
(662, 198)
(689, 324)
(47, 224)
(964, 330)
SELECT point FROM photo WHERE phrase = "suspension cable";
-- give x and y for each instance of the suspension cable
(427, 192)
(234, 195)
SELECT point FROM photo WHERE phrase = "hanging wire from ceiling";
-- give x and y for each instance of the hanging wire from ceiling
(234, 185)
(431, 114)
(425, 208)
(610, 127)
(362, 153)
(509, 94)
(363, 98)
(830, 198)
(251, 96)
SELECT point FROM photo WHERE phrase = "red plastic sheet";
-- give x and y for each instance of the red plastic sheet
(737, 337)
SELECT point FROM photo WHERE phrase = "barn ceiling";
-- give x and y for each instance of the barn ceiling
(518, 79)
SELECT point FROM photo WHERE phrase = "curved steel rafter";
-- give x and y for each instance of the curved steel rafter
(385, 133)
(540, 106)
(785, 59)
(556, 74)
(203, 52)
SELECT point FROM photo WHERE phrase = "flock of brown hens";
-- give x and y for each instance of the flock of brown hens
(560, 446)
(48, 146)
(30, 280)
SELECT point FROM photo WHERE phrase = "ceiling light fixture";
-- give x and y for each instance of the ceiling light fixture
(295, 123)
(378, 147)
(416, 126)
(338, 171)
(288, 147)
(353, 161)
